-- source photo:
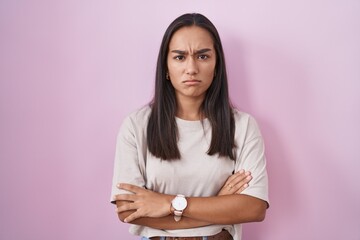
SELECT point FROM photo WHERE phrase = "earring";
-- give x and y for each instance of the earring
(167, 75)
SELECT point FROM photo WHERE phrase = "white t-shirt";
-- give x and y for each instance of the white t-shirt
(196, 174)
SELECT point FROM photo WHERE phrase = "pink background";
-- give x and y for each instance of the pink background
(71, 70)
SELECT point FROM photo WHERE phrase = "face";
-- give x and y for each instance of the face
(191, 62)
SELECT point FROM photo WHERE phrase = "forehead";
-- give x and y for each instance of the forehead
(193, 37)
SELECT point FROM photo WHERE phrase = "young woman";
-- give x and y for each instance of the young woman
(189, 165)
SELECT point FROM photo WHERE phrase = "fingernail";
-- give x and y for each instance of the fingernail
(114, 197)
(247, 173)
(119, 185)
(248, 177)
(246, 185)
(125, 220)
(240, 172)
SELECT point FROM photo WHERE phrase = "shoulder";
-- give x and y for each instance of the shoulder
(140, 115)
(245, 123)
(136, 120)
(243, 118)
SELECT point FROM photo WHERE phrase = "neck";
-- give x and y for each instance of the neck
(189, 108)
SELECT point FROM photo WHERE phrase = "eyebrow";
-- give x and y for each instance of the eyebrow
(204, 50)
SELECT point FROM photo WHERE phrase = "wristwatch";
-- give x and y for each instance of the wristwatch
(178, 204)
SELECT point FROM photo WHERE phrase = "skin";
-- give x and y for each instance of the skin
(191, 65)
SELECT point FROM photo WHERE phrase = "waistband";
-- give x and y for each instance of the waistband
(223, 235)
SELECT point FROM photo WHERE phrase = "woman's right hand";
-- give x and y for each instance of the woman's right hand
(236, 183)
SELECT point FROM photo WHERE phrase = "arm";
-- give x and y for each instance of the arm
(166, 222)
(235, 184)
(229, 209)
(201, 211)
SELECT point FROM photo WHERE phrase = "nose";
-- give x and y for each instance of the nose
(191, 66)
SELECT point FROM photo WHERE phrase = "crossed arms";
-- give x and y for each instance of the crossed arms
(148, 208)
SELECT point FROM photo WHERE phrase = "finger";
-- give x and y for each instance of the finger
(125, 197)
(238, 182)
(243, 178)
(231, 185)
(242, 185)
(238, 178)
(133, 216)
(242, 181)
(242, 188)
(235, 175)
(129, 187)
(126, 207)
(230, 179)
(228, 187)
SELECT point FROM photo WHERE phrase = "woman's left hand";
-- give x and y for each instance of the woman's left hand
(236, 183)
(144, 202)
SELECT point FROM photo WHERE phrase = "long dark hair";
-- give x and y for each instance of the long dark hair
(162, 132)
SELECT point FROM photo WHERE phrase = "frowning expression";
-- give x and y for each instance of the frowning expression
(191, 62)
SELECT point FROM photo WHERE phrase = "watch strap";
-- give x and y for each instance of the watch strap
(177, 218)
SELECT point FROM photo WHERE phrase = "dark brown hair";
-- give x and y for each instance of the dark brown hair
(162, 132)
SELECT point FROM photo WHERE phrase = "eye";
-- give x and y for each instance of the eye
(203, 57)
(179, 57)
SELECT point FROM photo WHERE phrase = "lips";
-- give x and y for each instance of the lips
(191, 81)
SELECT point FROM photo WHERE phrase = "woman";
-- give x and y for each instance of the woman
(183, 163)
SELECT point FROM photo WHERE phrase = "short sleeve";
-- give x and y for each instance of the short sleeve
(128, 167)
(252, 158)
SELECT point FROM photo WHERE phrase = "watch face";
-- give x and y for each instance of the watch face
(179, 203)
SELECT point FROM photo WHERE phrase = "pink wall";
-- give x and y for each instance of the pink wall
(71, 70)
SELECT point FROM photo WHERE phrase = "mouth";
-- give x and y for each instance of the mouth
(191, 82)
